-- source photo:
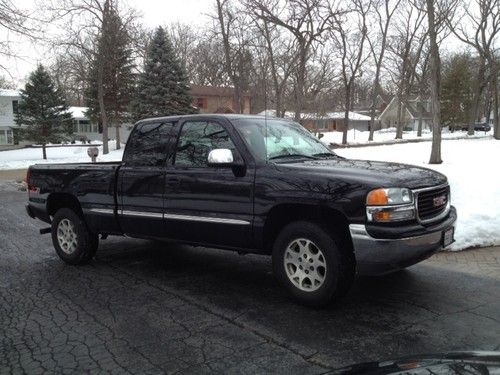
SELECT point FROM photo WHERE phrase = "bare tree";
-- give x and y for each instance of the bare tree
(280, 60)
(232, 33)
(350, 44)
(84, 22)
(306, 21)
(435, 84)
(478, 26)
(383, 21)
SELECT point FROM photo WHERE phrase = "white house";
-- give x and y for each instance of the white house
(410, 114)
(84, 129)
(9, 100)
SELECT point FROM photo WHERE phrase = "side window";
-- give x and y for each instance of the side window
(148, 145)
(197, 139)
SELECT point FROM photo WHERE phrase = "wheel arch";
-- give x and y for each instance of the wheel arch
(330, 218)
(56, 201)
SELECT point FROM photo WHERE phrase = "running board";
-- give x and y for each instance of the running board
(45, 230)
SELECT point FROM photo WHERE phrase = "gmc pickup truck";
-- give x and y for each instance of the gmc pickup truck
(254, 185)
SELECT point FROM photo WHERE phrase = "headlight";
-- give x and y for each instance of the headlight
(390, 204)
(385, 197)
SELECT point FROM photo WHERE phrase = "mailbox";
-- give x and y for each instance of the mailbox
(93, 152)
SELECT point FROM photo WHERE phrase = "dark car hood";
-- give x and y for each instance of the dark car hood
(443, 363)
(372, 173)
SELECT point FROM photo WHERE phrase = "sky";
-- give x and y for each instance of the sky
(153, 13)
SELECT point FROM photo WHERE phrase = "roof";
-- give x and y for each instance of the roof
(10, 93)
(197, 90)
(353, 116)
(78, 112)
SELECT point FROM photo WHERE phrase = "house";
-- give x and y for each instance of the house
(86, 130)
(411, 112)
(327, 122)
(214, 99)
(9, 100)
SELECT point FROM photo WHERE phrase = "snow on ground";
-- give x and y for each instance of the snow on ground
(474, 176)
(23, 158)
(389, 135)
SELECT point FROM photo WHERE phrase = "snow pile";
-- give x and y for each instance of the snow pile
(470, 166)
(23, 158)
(358, 137)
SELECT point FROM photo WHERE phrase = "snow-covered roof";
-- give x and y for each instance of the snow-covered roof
(9, 92)
(78, 112)
(315, 116)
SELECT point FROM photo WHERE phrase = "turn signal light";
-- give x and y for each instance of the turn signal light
(383, 216)
(377, 198)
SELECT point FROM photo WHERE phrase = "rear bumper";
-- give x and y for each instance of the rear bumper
(377, 256)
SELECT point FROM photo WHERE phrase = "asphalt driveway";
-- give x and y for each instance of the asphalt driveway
(146, 307)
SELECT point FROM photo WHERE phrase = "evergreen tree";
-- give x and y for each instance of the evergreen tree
(456, 90)
(43, 115)
(110, 81)
(163, 88)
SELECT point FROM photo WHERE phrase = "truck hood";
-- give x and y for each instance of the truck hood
(373, 173)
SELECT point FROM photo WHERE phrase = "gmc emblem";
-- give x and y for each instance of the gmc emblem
(439, 201)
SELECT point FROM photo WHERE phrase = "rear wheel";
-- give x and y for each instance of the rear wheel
(73, 241)
(309, 263)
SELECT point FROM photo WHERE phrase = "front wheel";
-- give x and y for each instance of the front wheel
(73, 241)
(308, 262)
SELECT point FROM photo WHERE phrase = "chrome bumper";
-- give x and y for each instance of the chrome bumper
(376, 256)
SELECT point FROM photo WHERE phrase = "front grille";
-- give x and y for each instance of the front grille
(432, 203)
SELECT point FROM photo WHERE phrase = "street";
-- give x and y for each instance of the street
(151, 307)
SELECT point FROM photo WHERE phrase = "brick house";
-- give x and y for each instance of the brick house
(212, 99)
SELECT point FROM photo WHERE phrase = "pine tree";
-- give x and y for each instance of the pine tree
(110, 81)
(163, 88)
(43, 115)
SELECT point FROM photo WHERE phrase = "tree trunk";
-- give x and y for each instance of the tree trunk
(435, 82)
(420, 118)
(374, 100)
(477, 95)
(102, 108)
(346, 115)
(299, 88)
(399, 126)
(118, 140)
(44, 151)
(496, 124)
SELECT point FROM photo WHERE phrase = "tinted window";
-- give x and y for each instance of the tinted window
(197, 139)
(148, 145)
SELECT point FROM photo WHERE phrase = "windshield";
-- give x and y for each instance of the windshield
(279, 139)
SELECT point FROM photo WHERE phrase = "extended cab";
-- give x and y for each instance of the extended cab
(255, 185)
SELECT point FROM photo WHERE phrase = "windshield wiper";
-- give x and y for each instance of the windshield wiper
(326, 155)
(292, 156)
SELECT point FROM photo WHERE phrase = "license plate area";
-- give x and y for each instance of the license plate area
(448, 237)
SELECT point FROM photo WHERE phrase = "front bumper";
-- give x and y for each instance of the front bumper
(377, 256)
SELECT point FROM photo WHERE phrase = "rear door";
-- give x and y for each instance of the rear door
(204, 204)
(141, 179)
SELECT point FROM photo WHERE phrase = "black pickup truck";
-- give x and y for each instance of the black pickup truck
(254, 185)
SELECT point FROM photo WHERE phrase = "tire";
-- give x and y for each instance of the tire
(73, 241)
(331, 271)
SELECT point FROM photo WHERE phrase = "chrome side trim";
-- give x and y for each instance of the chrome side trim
(206, 219)
(154, 215)
(105, 211)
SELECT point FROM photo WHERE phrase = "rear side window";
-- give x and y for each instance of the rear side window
(149, 145)
(197, 139)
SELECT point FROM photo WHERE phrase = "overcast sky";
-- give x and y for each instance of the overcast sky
(154, 13)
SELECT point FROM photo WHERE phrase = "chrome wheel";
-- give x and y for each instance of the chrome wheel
(305, 265)
(66, 236)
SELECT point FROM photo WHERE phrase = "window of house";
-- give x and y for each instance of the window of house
(201, 103)
(6, 137)
(148, 145)
(15, 107)
(197, 139)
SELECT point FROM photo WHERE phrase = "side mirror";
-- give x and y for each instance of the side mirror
(223, 157)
